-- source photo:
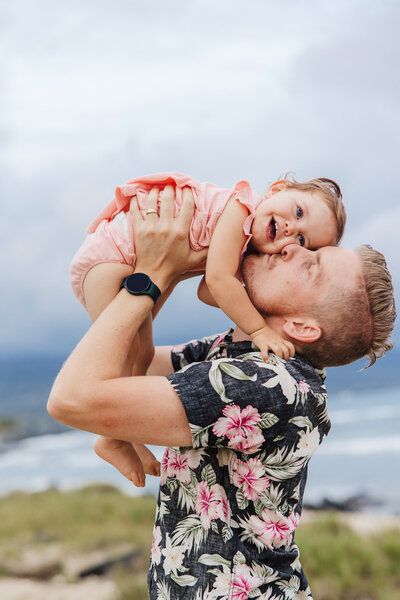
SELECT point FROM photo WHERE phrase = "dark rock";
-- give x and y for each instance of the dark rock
(352, 504)
(101, 568)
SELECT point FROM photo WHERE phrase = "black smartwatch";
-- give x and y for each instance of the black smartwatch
(140, 284)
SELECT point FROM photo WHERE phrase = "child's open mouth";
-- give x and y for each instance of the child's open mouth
(272, 229)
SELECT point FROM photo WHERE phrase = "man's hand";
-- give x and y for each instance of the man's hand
(162, 241)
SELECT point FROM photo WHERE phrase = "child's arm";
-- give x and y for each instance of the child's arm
(204, 294)
(222, 265)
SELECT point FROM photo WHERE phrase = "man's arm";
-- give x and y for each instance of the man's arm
(161, 363)
(146, 410)
(89, 393)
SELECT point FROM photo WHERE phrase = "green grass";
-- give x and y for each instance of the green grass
(130, 588)
(339, 564)
(86, 519)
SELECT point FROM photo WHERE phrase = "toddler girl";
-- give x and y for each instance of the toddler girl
(228, 222)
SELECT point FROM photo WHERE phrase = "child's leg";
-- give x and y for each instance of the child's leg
(143, 360)
(146, 345)
(101, 285)
(150, 464)
(123, 457)
(145, 352)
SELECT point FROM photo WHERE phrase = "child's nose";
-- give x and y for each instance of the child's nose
(290, 228)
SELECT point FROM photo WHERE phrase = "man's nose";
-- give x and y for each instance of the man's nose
(291, 250)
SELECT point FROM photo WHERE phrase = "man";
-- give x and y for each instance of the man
(239, 432)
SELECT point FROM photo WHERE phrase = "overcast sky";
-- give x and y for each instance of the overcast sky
(96, 92)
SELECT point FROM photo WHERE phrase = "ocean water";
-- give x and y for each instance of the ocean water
(360, 456)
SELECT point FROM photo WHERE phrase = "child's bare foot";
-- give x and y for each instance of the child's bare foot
(123, 457)
(150, 464)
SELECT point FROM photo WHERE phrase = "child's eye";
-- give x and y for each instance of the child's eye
(299, 212)
(301, 239)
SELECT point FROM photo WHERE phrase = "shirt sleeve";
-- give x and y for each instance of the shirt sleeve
(243, 404)
(191, 352)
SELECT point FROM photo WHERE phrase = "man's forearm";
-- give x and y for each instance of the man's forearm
(89, 394)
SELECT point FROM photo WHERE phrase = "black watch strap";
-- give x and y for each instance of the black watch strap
(140, 284)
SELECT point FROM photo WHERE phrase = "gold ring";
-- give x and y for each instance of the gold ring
(151, 211)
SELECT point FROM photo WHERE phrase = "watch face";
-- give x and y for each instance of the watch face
(138, 282)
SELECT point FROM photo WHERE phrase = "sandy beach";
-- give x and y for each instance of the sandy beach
(94, 588)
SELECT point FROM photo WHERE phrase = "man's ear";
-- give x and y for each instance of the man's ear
(302, 330)
(275, 187)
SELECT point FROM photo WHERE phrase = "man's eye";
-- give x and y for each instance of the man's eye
(301, 239)
(299, 212)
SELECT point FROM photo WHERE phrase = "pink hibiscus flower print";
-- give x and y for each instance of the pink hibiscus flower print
(218, 340)
(237, 423)
(180, 347)
(294, 520)
(303, 387)
(206, 505)
(164, 467)
(250, 444)
(155, 548)
(250, 477)
(244, 582)
(179, 464)
(273, 529)
(223, 510)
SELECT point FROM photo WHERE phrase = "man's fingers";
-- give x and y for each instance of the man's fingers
(167, 201)
(134, 212)
(187, 209)
(152, 203)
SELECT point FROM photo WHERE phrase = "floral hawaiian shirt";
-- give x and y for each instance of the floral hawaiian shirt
(229, 505)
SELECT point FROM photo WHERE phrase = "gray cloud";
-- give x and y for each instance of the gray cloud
(95, 93)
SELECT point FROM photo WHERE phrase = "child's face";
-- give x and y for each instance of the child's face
(292, 216)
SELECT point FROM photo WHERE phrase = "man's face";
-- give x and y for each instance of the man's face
(291, 282)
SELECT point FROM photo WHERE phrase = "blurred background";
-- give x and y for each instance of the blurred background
(96, 92)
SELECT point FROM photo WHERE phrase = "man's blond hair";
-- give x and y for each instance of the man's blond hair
(355, 322)
(379, 289)
(329, 191)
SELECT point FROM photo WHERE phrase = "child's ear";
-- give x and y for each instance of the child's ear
(277, 186)
(302, 330)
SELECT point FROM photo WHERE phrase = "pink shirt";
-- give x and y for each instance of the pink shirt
(112, 238)
(210, 201)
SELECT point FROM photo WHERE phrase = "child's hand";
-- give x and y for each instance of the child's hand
(268, 339)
